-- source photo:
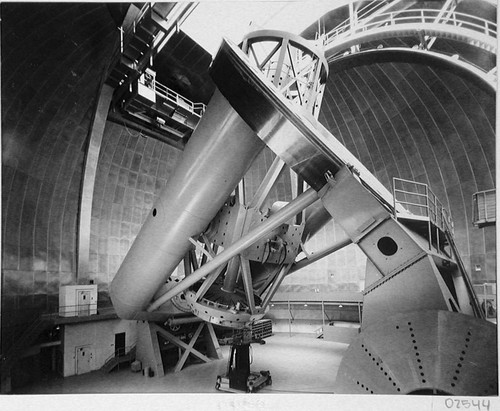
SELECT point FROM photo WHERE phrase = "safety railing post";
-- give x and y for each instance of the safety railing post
(484, 301)
(485, 207)
(437, 230)
(394, 198)
(424, 16)
(121, 39)
(429, 225)
(323, 314)
(289, 319)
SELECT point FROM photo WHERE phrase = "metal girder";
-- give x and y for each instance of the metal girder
(247, 283)
(149, 353)
(188, 349)
(318, 255)
(209, 281)
(447, 8)
(267, 184)
(276, 283)
(232, 274)
(222, 314)
(289, 211)
(201, 248)
(299, 70)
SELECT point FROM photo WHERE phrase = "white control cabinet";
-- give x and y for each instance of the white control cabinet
(77, 300)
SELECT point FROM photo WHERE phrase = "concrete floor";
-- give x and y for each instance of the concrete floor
(303, 371)
(298, 364)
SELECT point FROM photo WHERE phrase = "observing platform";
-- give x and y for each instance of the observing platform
(421, 211)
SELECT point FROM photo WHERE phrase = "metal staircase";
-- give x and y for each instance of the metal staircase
(121, 356)
(470, 288)
(144, 38)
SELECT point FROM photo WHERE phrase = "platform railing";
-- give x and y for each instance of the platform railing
(79, 310)
(366, 11)
(415, 16)
(289, 306)
(175, 98)
(478, 312)
(420, 201)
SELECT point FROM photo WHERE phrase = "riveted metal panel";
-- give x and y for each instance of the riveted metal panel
(417, 287)
(448, 352)
(222, 227)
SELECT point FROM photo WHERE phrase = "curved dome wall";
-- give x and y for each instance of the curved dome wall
(425, 124)
(132, 170)
(53, 56)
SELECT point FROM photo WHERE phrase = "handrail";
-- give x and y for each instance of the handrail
(163, 91)
(432, 208)
(351, 303)
(365, 11)
(476, 307)
(126, 350)
(454, 18)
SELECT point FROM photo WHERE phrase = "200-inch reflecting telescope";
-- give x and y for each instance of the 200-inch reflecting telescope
(268, 93)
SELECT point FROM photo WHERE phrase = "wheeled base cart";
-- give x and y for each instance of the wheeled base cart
(255, 382)
(239, 378)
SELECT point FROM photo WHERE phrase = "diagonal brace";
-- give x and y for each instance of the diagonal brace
(189, 349)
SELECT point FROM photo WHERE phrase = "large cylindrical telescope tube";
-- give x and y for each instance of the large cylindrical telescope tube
(215, 159)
